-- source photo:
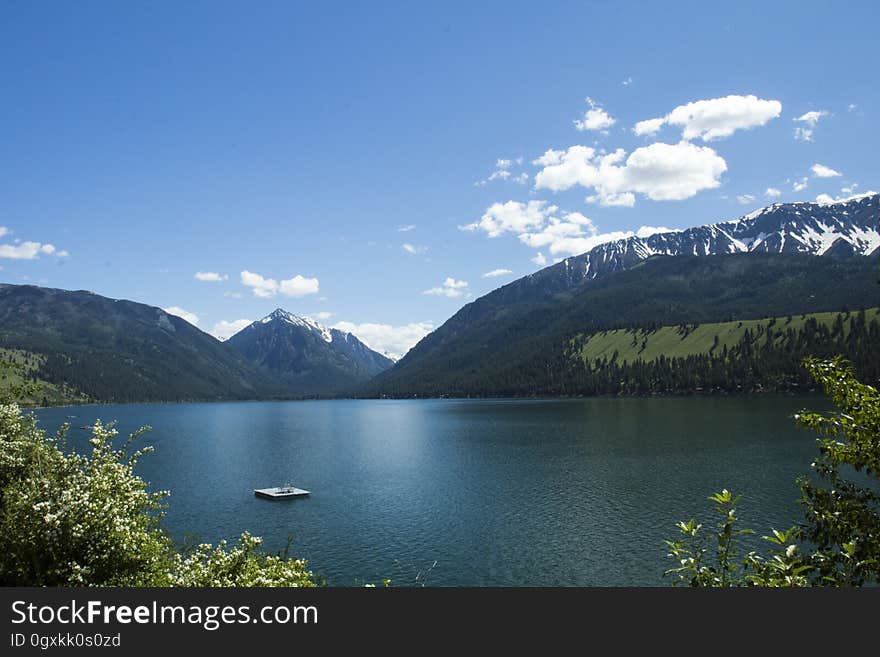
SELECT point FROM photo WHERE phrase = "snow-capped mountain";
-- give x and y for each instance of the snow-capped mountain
(763, 266)
(838, 229)
(313, 358)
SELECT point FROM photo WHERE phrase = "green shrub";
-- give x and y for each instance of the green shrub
(839, 542)
(68, 519)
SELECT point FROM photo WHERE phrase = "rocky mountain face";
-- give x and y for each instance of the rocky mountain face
(777, 241)
(112, 350)
(309, 357)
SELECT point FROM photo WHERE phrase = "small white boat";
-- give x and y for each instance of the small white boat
(281, 492)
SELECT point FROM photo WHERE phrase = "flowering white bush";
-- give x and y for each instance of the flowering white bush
(68, 519)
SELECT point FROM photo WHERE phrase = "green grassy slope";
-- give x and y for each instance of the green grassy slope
(26, 366)
(681, 341)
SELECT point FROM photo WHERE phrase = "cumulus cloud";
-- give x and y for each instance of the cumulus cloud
(772, 192)
(627, 82)
(827, 199)
(323, 316)
(661, 172)
(800, 185)
(648, 126)
(495, 273)
(450, 288)
(3, 231)
(28, 250)
(511, 216)
(191, 317)
(715, 118)
(211, 277)
(821, 171)
(297, 286)
(413, 249)
(225, 329)
(406, 229)
(745, 199)
(393, 341)
(595, 118)
(541, 226)
(809, 120)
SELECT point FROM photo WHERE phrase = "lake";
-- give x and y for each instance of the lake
(469, 492)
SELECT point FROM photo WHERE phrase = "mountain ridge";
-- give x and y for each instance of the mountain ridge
(306, 354)
(841, 230)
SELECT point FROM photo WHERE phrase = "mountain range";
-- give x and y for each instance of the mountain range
(111, 350)
(760, 265)
(509, 341)
(309, 357)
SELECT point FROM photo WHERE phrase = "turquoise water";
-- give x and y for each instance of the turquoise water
(468, 492)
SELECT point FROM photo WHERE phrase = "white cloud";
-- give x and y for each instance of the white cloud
(502, 172)
(28, 251)
(849, 189)
(297, 286)
(648, 126)
(495, 273)
(406, 229)
(772, 192)
(414, 249)
(568, 233)
(624, 200)
(800, 185)
(3, 231)
(323, 315)
(745, 199)
(191, 317)
(225, 329)
(810, 120)
(662, 172)
(627, 82)
(550, 157)
(821, 171)
(647, 231)
(803, 134)
(393, 341)
(595, 118)
(851, 107)
(211, 276)
(827, 199)
(450, 288)
(715, 118)
(511, 216)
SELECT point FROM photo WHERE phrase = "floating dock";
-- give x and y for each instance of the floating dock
(281, 492)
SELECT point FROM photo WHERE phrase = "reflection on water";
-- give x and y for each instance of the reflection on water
(497, 492)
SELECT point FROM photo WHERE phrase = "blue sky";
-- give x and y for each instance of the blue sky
(283, 146)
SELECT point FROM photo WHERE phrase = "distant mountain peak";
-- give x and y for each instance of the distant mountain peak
(281, 315)
(307, 354)
(834, 227)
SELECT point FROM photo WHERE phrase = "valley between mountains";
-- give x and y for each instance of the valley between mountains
(729, 306)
